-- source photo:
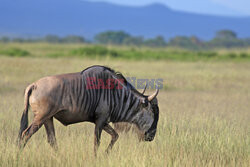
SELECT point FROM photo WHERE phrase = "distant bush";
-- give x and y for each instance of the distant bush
(73, 39)
(243, 55)
(15, 52)
(207, 54)
(232, 55)
(94, 51)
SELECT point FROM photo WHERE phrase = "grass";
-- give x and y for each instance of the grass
(121, 53)
(204, 114)
(14, 52)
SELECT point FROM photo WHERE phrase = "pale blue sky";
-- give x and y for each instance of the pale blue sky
(218, 7)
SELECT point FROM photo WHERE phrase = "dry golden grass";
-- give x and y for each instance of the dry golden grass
(204, 116)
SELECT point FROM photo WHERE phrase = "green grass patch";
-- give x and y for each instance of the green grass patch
(155, 54)
(15, 52)
(123, 53)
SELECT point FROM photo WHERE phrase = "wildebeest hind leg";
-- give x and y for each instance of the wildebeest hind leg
(113, 134)
(33, 128)
(50, 130)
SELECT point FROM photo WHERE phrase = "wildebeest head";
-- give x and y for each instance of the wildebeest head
(149, 115)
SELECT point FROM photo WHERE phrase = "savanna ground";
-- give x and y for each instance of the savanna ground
(204, 114)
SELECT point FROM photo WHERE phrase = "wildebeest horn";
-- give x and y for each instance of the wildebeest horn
(144, 89)
(151, 97)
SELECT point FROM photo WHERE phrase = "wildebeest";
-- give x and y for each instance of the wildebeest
(83, 96)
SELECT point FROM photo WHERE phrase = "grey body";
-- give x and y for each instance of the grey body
(68, 98)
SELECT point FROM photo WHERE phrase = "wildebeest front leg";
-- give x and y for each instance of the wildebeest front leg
(113, 134)
(98, 131)
(50, 130)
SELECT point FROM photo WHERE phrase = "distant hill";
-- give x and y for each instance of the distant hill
(77, 17)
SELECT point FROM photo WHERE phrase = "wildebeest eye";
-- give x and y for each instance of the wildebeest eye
(145, 103)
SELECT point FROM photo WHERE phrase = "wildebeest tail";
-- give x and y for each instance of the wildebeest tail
(24, 119)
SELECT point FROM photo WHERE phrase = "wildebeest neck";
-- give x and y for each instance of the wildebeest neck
(122, 100)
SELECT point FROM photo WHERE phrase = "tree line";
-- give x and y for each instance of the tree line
(222, 39)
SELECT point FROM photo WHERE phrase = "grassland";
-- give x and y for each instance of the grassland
(120, 53)
(204, 113)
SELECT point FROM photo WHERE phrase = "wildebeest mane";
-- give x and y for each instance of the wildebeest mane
(119, 76)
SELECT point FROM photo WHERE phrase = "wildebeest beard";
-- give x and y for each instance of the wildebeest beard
(150, 134)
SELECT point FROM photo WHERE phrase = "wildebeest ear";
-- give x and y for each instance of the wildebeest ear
(154, 101)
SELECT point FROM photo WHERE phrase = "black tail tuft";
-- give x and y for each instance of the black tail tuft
(24, 120)
(23, 124)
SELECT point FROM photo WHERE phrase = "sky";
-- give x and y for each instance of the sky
(215, 7)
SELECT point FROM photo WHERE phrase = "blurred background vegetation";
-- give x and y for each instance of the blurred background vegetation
(222, 39)
(121, 45)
